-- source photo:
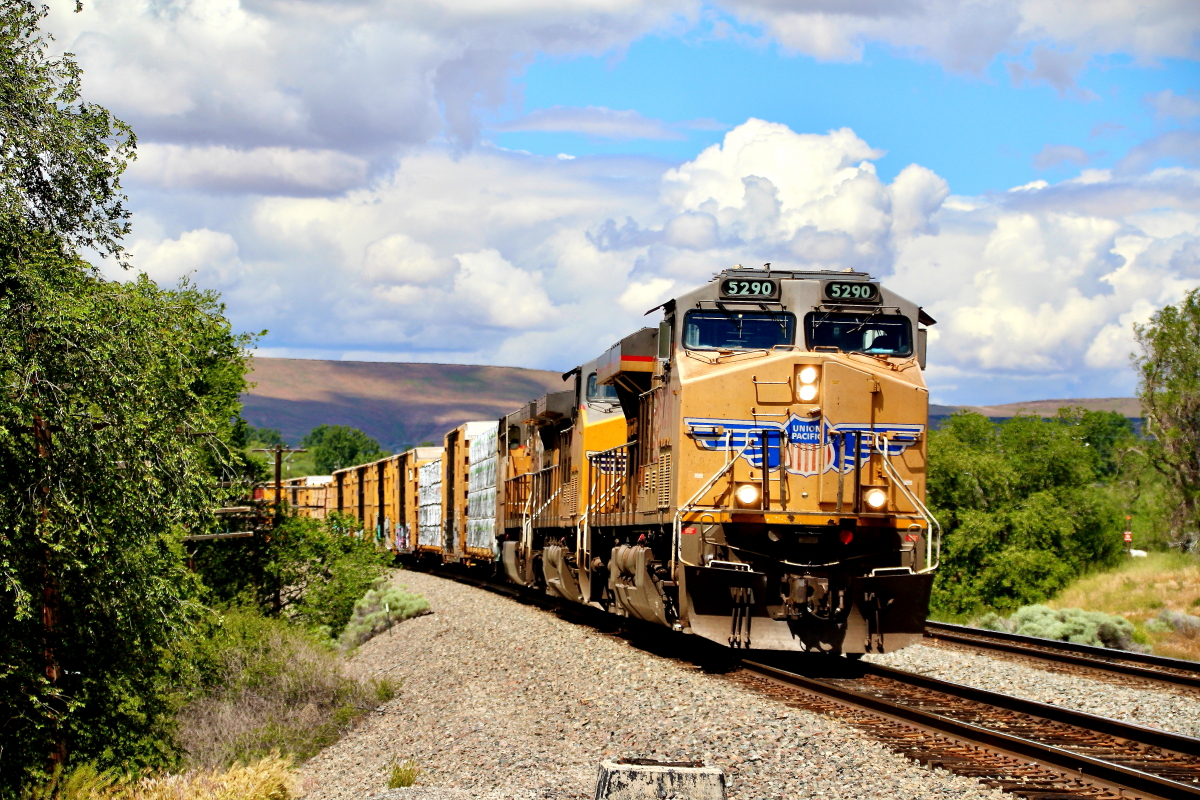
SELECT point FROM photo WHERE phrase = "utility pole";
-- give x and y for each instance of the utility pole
(42, 437)
(279, 450)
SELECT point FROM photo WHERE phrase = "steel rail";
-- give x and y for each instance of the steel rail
(1160, 669)
(1088, 768)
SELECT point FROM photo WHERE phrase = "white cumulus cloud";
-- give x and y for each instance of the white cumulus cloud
(501, 257)
(259, 170)
(595, 121)
(967, 35)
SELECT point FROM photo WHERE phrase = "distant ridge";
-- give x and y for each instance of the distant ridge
(405, 404)
(1126, 406)
(397, 404)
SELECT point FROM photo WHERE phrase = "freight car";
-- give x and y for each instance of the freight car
(305, 496)
(751, 470)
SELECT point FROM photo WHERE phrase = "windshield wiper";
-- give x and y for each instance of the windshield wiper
(735, 320)
(778, 320)
(867, 319)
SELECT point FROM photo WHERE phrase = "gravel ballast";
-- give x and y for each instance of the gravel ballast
(1176, 710)
(504, 700)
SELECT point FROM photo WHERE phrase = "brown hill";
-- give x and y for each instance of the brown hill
(405, 404)
(396, 404)
(1127, 406)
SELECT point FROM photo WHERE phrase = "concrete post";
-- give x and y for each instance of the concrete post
(646, 779)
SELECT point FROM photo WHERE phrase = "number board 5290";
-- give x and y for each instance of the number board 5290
(847, 292)
(749, 287)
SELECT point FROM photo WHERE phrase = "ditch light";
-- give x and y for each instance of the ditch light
(747, 495)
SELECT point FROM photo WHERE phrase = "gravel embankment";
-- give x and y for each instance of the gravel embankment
(1166, 709)
(503, 700)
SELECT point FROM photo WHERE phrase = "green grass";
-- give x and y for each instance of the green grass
(1139, 589)
(295, 465)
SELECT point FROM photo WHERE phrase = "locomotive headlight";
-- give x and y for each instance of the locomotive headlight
(747, 494)
(808, 393)
(808, 375)
(876, 498)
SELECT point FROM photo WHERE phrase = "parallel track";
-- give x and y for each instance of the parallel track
(1158, 669)
(1032, 750)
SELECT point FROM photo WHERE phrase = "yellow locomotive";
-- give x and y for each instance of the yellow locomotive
(751, 471)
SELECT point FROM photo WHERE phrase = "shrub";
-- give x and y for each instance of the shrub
(1167, 621)
(307, 569)
(262, 685)
(379, 609)
(1067, 625)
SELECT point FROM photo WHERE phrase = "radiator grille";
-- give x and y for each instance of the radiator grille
(664, 480)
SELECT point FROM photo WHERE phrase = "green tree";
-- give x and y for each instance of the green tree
(117, 403)
(115, 417)
(268, 437)
(310, 570)
(61, 158)
(1170, 395)
(1021, 506)
(336, 447)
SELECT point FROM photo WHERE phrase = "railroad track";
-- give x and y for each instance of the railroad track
(1157, 669)
(1029, 749)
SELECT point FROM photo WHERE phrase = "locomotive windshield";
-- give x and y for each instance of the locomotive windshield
(600, 393)
(875, 334)
(736, 330)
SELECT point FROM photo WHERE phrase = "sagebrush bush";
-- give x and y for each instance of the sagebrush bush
(379, 609)
(1186, 624)
(269, 778)
(1067, 625)
(265, 685)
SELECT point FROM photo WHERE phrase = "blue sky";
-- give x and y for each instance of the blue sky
(979, 131)
(467, 181)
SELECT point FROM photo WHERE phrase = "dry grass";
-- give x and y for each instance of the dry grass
(1138, 590)
(270, 778)
(276, 689)
(403, 774)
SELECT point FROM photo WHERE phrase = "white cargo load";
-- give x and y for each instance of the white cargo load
(429, 504)
(481, 487)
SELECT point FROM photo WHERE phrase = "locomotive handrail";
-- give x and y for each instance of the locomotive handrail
(533, 490)
(526, 519)
(930, 563)
(691, 504)
(584, 527)
(618, 475)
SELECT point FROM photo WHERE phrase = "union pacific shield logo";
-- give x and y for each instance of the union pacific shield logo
(801, 446)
